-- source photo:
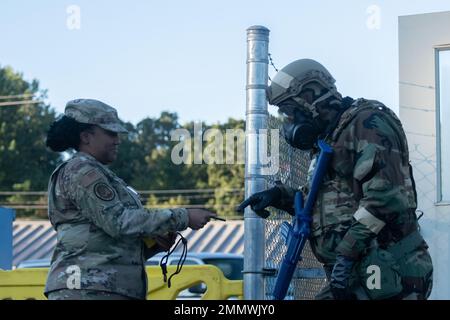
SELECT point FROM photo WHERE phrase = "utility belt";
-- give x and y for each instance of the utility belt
(380, 272)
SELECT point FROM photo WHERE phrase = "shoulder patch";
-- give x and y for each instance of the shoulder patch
(90, 177)
(359, 108)
(104, 192)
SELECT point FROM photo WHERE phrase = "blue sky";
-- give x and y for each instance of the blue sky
(143, 57)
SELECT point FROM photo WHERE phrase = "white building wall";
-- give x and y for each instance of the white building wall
(419, 35)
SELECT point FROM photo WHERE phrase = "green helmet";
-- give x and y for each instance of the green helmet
(299, 76)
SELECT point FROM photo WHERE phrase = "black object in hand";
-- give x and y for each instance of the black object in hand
(261, 200)
(340, 276)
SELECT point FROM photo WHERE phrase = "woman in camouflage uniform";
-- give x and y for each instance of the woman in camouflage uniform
(100, 222)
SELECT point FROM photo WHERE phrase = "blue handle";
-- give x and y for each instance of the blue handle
(319, 173)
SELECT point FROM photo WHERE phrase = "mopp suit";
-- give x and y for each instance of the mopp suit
(364, 223)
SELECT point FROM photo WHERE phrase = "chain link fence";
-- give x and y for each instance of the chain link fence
(309, 277)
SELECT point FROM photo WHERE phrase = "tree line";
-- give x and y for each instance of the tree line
(144, 159)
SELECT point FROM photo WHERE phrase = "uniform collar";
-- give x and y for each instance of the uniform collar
(81, 154)
(87, 156)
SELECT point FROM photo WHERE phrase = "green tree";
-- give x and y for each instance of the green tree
(23, 130)
(145, 162)
(144, 159)
(228, 179)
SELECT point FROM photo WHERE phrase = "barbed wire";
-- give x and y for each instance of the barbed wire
(142, 192)
(23, 95)
(16, 103)
(416, 85)
(272, 64)
(153, 206)
(191, 197)
(160, 195)
(190, 190)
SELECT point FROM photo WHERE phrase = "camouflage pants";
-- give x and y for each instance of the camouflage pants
(67, 294)
(326, 294)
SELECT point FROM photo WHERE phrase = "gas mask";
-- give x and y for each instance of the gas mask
(299, 128)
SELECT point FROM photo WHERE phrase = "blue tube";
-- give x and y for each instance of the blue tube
(301, 230)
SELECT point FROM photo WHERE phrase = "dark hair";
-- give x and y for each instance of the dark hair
(64, 134)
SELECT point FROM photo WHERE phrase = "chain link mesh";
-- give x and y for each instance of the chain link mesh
(424, 168)
(293, 170)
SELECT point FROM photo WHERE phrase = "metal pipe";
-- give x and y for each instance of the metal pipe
(255, 181)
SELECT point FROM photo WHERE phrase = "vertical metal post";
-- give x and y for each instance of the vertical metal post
(7, 217)
(256, 118)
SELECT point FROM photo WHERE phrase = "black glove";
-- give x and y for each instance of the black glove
(261, 200)
(340, 276)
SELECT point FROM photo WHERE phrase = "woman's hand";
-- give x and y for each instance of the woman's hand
(198, 218)
(167, 241)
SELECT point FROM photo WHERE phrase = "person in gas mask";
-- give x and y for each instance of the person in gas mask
(364, 225)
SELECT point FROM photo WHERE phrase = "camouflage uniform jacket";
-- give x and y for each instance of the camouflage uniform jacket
(100, 224)
(368, 192)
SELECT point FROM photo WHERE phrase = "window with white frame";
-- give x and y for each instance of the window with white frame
(443, 122)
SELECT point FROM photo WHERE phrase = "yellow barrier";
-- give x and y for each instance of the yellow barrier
(28, 284)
